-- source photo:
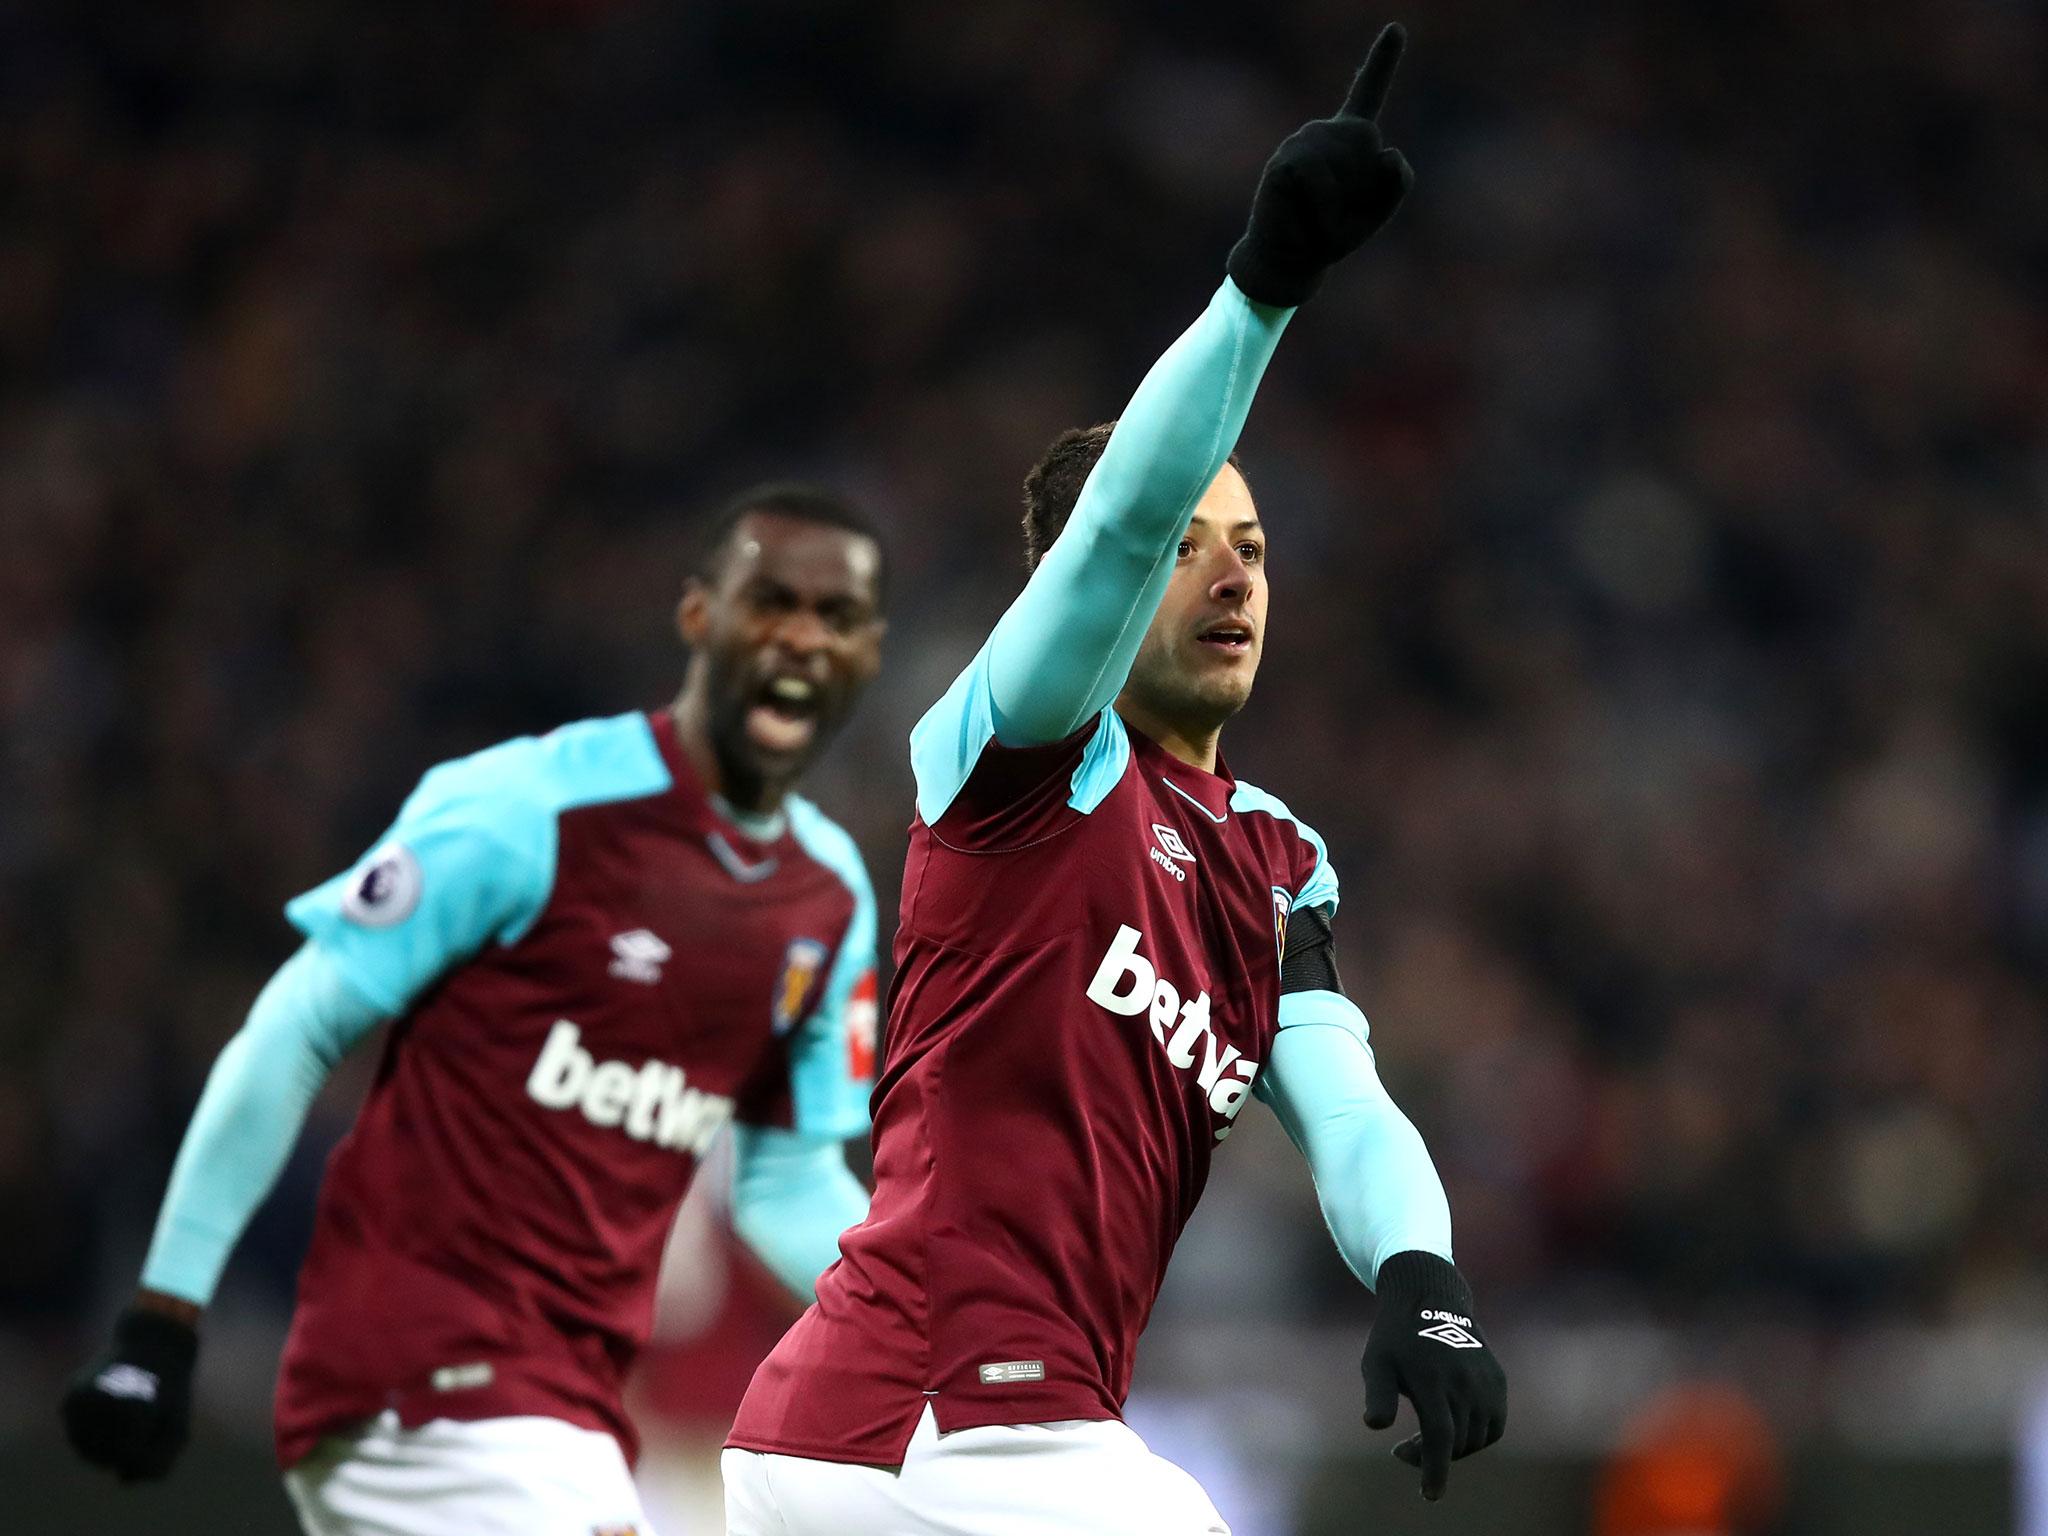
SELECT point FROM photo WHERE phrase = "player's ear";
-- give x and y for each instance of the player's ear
(867, 656)
(693, 613)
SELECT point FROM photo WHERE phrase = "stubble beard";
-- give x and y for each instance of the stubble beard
(1193, 700)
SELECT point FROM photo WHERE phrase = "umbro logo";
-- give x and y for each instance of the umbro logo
(1450, 1329)
(129, 1381)
(639, 956)
(1170, 852)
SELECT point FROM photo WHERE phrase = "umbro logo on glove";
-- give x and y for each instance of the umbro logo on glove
(1460, 1393)
(130, 1381)
(1450, 1329)
(129, 1410)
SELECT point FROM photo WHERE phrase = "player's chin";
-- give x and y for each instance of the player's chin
(1222, 677)
(1209, 702)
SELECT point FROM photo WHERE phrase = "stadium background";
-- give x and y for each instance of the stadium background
(1660, 635)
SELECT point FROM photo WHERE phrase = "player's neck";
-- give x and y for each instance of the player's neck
(751, 799)
(1196, 747)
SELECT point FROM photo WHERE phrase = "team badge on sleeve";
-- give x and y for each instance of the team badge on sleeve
(801, 963)
(385, 890)
(863, 1021)
(1283, 907)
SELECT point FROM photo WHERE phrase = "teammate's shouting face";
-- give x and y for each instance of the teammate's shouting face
(785, 629)
(1195, 667)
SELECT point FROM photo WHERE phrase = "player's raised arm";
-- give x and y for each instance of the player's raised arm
(1385, 1207)
(1064, 648)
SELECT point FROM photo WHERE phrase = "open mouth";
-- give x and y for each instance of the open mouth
(784, 715)
(1233, 637)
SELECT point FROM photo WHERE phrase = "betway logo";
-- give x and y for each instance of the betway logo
(651, 1102)
(1127, 983)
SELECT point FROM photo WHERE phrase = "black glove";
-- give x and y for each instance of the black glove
(1425, 1345)
(1328, 187)
(131, 1409)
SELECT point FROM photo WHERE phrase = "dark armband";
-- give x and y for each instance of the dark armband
(1309, 962)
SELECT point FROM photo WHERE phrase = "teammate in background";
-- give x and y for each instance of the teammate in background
(598, 946)
(1107, 943)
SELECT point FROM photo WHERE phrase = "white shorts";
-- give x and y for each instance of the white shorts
(1078, 1477)
(450, 1477)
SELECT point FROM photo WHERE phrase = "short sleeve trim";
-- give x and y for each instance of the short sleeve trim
(1320, 889)
(948, 741)
(1102, 765)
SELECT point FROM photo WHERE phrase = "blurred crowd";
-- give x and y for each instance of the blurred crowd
(1660, 607)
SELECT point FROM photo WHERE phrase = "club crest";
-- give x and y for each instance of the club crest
(801, 963)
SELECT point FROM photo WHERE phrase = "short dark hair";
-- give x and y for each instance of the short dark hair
(796, 499)
(1054, 485)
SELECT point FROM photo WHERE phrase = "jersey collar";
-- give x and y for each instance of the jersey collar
(1209, 792)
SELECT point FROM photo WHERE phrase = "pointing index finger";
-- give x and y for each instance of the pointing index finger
(1437, 1433)
(1369, 89)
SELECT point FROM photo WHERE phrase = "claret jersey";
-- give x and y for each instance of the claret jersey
(1087, 980)
(592, 971)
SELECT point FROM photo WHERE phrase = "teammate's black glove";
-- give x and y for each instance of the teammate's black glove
(130, 1409)
(1424, 1344)
(1328, 187)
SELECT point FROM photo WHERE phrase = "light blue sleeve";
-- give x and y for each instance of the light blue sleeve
(1062, 651)
(469, 860)
(792, 1195)
(1379, 1190)
(303, 1022)
(831, 1057)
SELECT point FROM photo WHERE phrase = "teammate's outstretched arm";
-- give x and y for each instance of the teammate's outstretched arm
(1386, 1209)
(130, 1410)
(1065, 647)
(452, 874)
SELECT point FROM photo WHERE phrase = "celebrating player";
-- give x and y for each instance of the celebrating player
(1107, 943)
(599, 946)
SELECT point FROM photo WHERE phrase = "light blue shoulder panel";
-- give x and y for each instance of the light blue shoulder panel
(1320, 889)
(947, 743)
(830, 1100)
(471, 858)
